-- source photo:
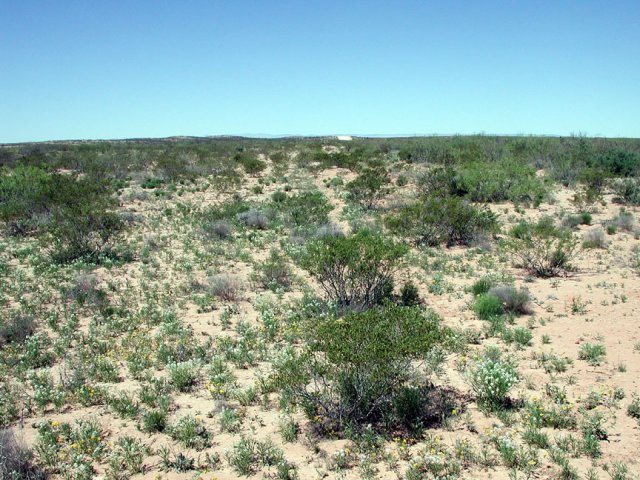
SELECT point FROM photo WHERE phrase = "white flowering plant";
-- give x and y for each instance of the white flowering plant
(491, 378)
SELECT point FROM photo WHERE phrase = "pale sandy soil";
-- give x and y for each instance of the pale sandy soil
(604, 281)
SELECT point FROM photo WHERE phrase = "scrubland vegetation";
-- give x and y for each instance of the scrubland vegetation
(422, 308)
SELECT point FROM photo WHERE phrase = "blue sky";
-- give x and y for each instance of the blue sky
(121, 69)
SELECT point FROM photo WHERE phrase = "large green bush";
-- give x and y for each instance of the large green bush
(355, 272)
(355, 369)
(500, 181)
(438, 220)
(76, 212)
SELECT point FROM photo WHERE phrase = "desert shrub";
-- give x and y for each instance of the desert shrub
(16, 461)
(499, 181)
(126, 458)
(26, 197)
(86, 290)
(487, 306)
(183, 375)
(491, 377)
(541, 248)
(279, 196)
(225, 287)
(484, 284)
(15, 327)
(514, 301)
(520, 336)
(253, 218)
(217, 230)
(153, 420)
(274, 273)
(353, 271)
(190, 432)
(624, 221)
(409, 295)
(75, 211)
(370, 187)
(306, 209)
(594, 238)
(633, 410)
(352, 369)
(438, 180)
(619, 163)
(329, 230)
(250, 162)
(573, 221)
(83, 232)
(448, 220)
(593, 353)
(626, 190)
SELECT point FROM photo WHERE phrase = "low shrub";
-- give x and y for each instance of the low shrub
(409, 295)
(274, 273)
(488, 306)
(16, 461)
(594, 238)
(593, 353)
(514, 301)
(444, 220)
(305, 209)
(370, 187)
(626, 191)
(190, 432)
(225, 287)
(15, 327)
(253, 218)
(217, 230)
(542, 249)
(355, 272)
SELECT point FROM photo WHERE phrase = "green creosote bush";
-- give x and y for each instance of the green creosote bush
(542, 249)
(370, 187)
(355, 272)
(444, 220)
(250, 162)
(305, 209)
(75, 213)
(353, 369)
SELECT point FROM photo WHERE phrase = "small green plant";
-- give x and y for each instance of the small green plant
(488, 306)
(126, 458)
(154, 421)
(633, 410)
(274, 273)
(190, 432)
(593, 353)
(184, 375)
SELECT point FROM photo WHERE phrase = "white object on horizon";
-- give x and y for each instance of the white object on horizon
(345, 138)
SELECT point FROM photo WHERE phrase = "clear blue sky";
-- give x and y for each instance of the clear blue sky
(118, 69)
